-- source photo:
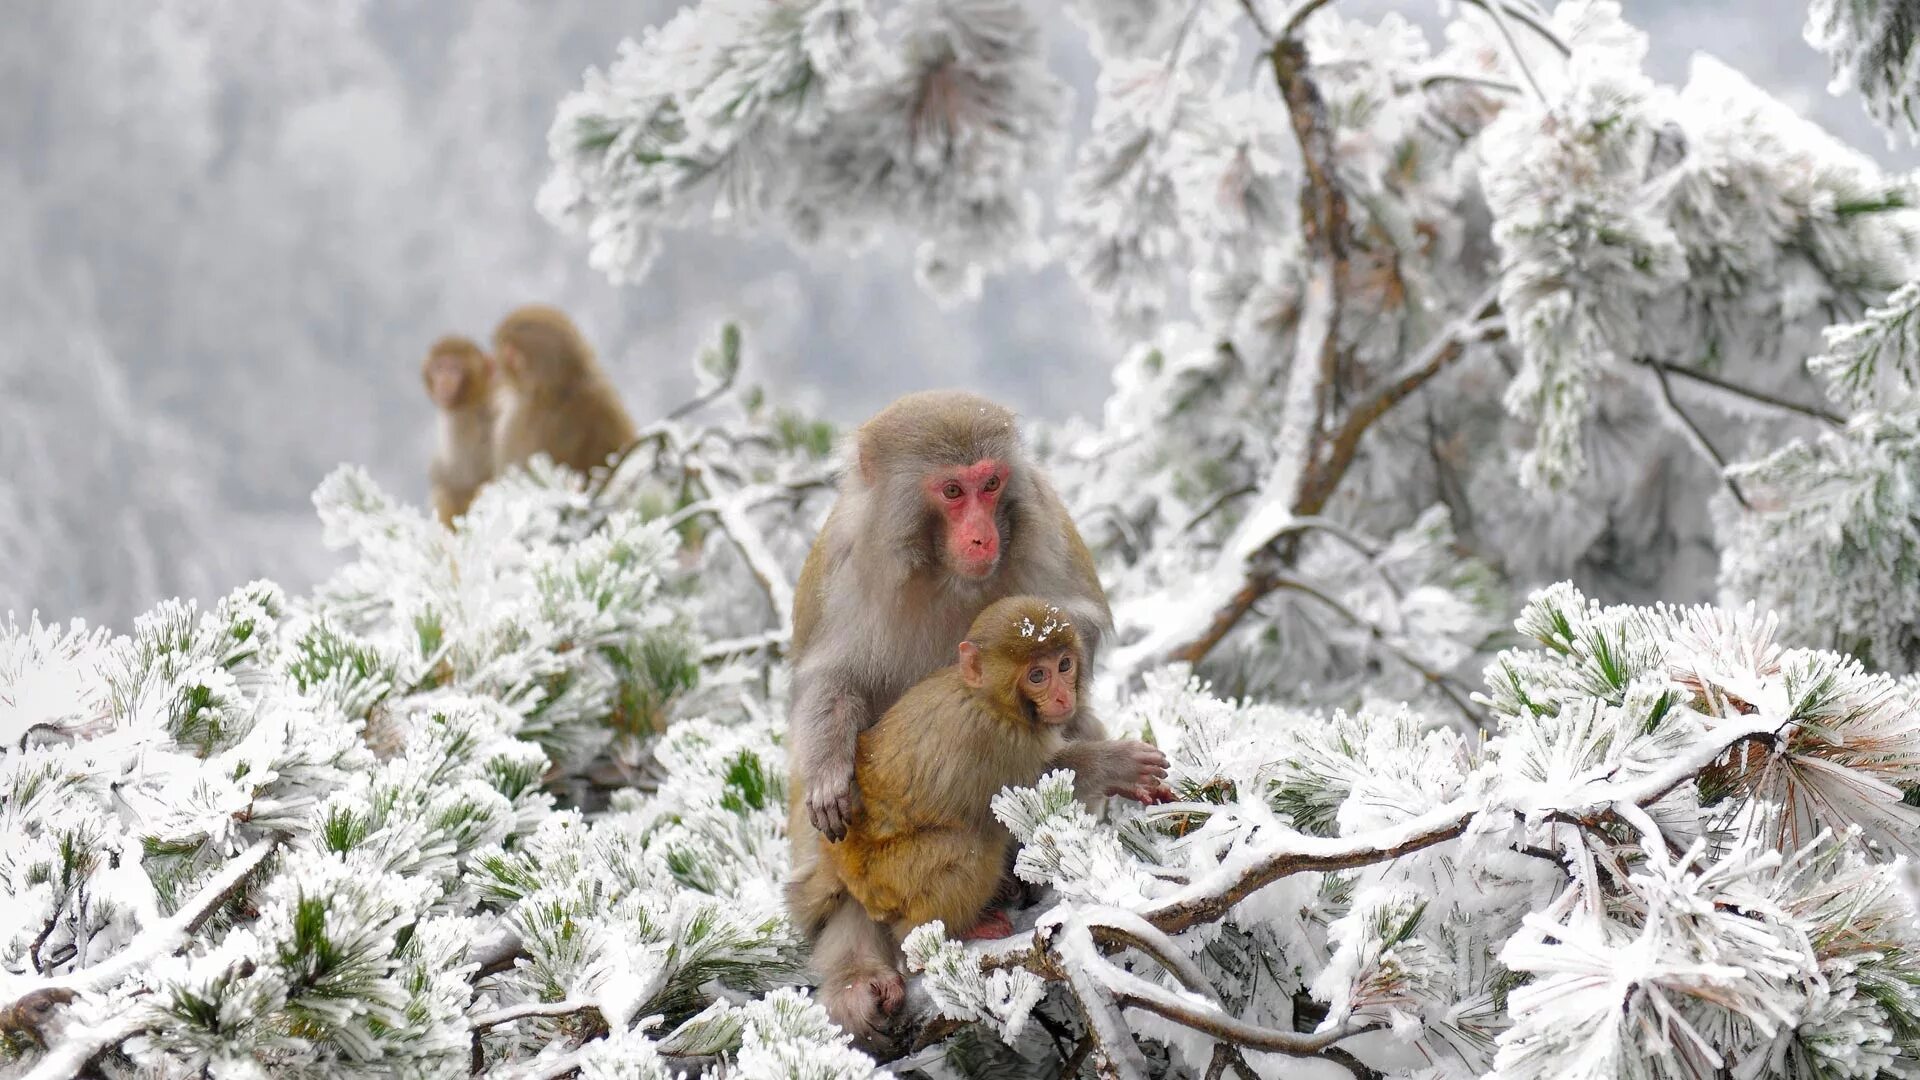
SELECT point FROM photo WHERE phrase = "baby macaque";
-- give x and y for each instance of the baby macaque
(459, 380)
(923, 844)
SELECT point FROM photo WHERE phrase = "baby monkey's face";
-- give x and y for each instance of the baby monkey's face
(1052, 683)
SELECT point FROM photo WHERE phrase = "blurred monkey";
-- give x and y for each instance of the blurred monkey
(459, 378)
(557, 401)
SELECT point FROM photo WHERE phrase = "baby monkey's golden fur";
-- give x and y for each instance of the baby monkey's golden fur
(923, 843)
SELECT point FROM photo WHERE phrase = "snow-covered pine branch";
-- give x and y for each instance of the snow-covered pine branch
(1507, 910)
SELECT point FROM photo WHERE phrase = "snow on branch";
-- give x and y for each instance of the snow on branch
(1870, 46)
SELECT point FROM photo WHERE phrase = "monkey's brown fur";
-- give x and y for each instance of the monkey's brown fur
(923, 843)
(560, 403)
(877, 608)
(463, 461)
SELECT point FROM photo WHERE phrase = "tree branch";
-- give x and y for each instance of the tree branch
(1209, 899)
(1529, 17)
(1497, 12)
(163, 938)
(1748, 393)
(773, 640)
(1696, 436)
(71, 1056)
(526, 1009)
(1436, 679)
(1131, 991)
(729, 509)
(1298, 17)
(1258, 576)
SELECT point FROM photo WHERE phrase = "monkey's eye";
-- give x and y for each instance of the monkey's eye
(952, 490)
(1037, 676)
(992, 484)
(1066, 664)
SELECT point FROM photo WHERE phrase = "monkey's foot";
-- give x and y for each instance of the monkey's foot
(889, 991)
(863, 1002)
(993, 925)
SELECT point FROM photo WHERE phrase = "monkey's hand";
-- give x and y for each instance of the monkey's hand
(830, 800)
(1139, 772)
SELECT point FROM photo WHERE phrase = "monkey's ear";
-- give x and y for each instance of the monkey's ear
(970, 671)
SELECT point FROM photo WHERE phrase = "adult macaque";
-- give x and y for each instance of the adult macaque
(459, 380)
(940, 514)
(557, 399)
(923, 844)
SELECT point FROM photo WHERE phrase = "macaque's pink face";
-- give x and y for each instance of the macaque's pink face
(446, 379)
(1052, 684)
(965, 497)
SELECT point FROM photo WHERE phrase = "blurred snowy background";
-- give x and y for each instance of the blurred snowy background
(228, 231)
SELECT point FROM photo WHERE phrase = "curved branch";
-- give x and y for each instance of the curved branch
(1439, 681)
(71, 1056)
(1209, 899)
(1497, 12)
(1117, 926)
(1748, 393)
(1696, 436)
(165, 937)
(529, 1009)
(1529, 17)
(1259, 575)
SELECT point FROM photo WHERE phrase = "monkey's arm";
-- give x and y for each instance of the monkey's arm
(1103, 767)
(828, 715)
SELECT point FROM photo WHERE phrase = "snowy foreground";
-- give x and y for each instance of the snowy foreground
(309, 837)
(1414, 326)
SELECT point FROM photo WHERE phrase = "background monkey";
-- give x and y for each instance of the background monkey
(459, 378)
(923, 843)
(558, 401)
(940, 514)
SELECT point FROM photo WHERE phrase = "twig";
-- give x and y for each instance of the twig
(1258, 579)
(729, 344)
(1436, 679)
(1228, 1056)
(1530, 18)
(1346, 1060)
(1259, 24)
(729, 508)
(1479, 325)
(653, 436)
(1118, 926)
(1497, 12)
(528, 1009)
(774, 640)
(1216, 504)
(1132, 991)
(496, 952)
(1071, 1067)
(1485, 82)
(71, 1055)
(1299, 17)
(1210, 899)
(1756, 396)
(1180, 37)
(748, 498)
(1696, 436)
(162, 938)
